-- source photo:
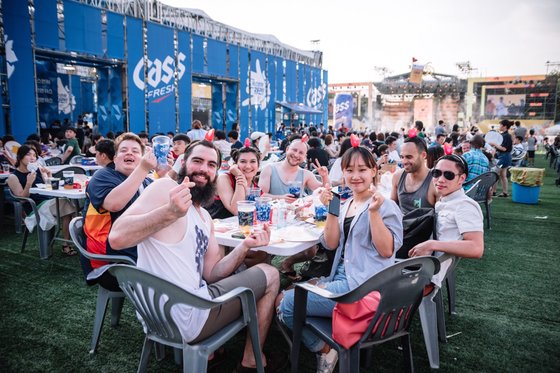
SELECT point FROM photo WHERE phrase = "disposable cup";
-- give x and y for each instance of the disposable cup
(245, 216)
(161, 146)
(68, 177)
(263, 209)
(294, 188)
(254, 193)
(55, 183)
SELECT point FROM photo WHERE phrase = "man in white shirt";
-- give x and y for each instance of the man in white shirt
(176, 241)
(459, 223)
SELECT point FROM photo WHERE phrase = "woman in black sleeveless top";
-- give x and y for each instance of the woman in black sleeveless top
(25, 177)
(22, 179)
(234, 185)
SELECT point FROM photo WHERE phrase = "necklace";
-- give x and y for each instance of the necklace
(356, 205)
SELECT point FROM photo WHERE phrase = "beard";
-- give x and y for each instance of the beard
(415, 167)
(292, 162)
(203, 195)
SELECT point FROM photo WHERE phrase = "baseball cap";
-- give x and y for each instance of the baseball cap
(257, 135)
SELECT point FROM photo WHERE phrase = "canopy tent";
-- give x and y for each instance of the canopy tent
(553, 131)
(298, 108)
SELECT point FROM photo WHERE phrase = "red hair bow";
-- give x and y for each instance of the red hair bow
(448, 149)
(247, 143)
(413, 132)
(354, 141)
(209, 135)
(305, 139)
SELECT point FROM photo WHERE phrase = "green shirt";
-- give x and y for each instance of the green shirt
(75, 151)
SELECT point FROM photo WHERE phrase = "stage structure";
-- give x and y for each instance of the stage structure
(145, 66)
(437, 97)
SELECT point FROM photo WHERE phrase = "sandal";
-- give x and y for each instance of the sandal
(68, 250)
(503, 195)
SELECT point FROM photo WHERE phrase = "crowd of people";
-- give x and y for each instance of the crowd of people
(167, 226)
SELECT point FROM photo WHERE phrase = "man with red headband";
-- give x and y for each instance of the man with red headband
(276, 177)
(275, 182)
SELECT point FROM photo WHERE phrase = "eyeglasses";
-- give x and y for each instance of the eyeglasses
(449, 175)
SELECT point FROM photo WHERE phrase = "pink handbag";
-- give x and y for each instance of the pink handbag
(350, 320)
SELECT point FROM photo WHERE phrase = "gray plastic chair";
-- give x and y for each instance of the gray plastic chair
(53, 161)
(77, 159)
(432, 317)
(400, 285)
(76, 169)
(153, 298)
(478, 189)
(16, 205)
(45, 250)
(103, 294)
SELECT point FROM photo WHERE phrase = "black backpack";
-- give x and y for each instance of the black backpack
(418, 226)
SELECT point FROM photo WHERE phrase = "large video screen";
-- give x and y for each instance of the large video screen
(498, 106)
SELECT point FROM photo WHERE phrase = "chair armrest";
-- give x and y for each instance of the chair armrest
(348, 297)
(472, 187)
(247, 299)
(27, 200)
(240, 292)
(108, 258)
(318, 290)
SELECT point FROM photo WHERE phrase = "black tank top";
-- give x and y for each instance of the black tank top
(22, 178)
(409, 201)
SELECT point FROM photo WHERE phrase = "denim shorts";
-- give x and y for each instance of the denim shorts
(504, 160)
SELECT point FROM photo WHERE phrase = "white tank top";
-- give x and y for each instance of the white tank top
(182, 263)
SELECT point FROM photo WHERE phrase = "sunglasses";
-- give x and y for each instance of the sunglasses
(449, 175)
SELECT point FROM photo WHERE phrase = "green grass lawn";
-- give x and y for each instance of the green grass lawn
(508, 306)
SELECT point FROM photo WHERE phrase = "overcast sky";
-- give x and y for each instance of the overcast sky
(498, 37)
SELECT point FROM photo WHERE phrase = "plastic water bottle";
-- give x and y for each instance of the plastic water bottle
(279, 215)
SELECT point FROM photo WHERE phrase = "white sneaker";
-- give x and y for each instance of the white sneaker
(327, 362)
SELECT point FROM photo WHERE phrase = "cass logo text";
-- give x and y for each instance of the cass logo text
(159, 77)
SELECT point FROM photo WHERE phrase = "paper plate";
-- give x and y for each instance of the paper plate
(493, 136)
(296, 234)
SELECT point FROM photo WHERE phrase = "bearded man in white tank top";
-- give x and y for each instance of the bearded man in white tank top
(175, 238)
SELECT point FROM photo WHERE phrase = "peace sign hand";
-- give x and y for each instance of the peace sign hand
(321, 170)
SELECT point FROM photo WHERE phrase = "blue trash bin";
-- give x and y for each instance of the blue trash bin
(525, 194)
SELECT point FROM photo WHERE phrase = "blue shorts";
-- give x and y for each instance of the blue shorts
(504, 160)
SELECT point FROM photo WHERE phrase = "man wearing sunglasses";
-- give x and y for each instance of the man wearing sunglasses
(459, 226)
